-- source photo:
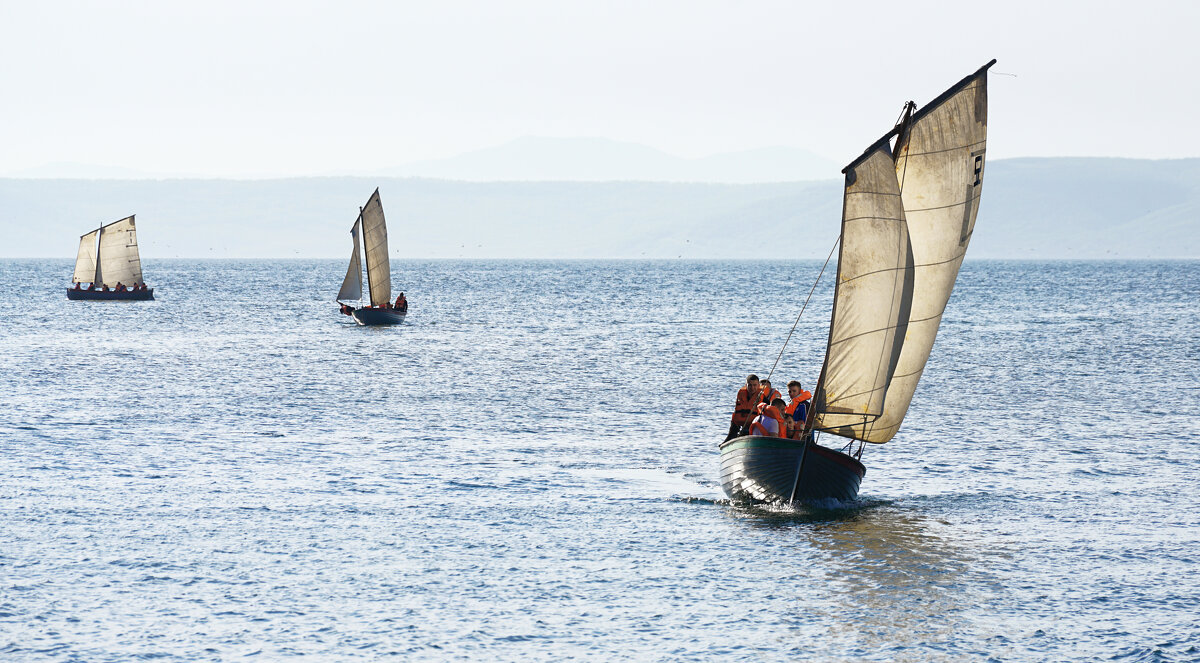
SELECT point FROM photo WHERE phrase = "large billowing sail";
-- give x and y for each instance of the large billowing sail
(379, 270)
(119, 260)
(352, 284)
(85, 261)
(871, 304)
(939, 159)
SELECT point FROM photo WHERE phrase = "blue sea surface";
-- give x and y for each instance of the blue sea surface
(527, 469)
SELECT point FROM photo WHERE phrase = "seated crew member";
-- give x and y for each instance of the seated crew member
(798, 408)
(769, 422)
(401, 303)
(769, 394)
(106, 287)
(743, 408)
(78, 286)
(91, 287)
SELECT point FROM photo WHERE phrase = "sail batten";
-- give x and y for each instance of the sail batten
(895, 278)
(352, 284)
(117, 258)
(375, 241)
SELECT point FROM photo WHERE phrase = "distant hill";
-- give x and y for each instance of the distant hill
(1032, 208)
(603, 160)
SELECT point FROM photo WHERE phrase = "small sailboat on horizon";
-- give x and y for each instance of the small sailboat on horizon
(108, 261)
(369, 234)
(908, 214)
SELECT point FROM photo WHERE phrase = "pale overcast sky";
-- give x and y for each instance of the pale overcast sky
(241, 88)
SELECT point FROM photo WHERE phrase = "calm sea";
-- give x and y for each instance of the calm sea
(527, 469)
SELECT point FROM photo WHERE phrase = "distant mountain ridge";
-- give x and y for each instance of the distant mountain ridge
(539, 159)
(533, 159)
(1032, 208)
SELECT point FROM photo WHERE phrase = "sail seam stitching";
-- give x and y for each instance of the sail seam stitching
(930, 209)
(948, 149)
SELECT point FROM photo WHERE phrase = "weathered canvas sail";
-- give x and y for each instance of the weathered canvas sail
(379, 270)
(352, 284)
(939, 173)
(118, 254)
(85, 261)
(871, 304)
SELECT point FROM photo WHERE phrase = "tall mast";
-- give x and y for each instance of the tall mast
(366, 255)
(99, 232)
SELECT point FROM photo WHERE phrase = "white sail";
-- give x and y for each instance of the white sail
(379, 269)
(871, 302)
(85, 261)
(118, 254)
(352, 284)
(939, 159)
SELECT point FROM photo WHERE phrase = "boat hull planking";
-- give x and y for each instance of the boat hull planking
(111, 295)
(763, 469)
(370, 317)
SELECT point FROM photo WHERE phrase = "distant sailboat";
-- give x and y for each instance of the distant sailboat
(108, 260)
(370, 232)
(908, 214)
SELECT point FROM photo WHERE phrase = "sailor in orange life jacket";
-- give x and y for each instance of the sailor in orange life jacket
(748, 397)
(797, 409)
(769, 394)
(769, 422)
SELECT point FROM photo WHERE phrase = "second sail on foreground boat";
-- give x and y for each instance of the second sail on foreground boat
(370, 233)
(908, 214)
(108, 261)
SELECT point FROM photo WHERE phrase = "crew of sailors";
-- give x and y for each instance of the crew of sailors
(120, 287)
(760, 410)
(401, 305)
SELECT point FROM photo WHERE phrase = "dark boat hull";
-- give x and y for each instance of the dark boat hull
(111, 295)
(763, 469)
(377, 316)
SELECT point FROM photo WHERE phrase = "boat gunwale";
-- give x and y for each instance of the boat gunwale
(764, 442)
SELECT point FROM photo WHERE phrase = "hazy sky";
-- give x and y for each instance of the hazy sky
(241, 88)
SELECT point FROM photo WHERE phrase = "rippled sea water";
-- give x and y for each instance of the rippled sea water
(527, 469)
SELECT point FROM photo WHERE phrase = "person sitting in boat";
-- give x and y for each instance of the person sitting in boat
(78, 286)
(769, 422)
(105, 288)
(797, 410)
(91, 287)
(401, 304)
(120, 287)
(748, 397)
(769, 394)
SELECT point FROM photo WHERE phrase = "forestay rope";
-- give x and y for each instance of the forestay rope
(806, 300)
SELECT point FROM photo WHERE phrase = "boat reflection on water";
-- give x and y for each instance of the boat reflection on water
(887, 581)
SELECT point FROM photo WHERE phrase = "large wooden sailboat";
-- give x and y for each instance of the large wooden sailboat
(108, 261)
(369, 233)
(908, 213)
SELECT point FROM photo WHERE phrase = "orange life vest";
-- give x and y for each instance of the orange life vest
(804, 396)
(744, 407)
(771, 411)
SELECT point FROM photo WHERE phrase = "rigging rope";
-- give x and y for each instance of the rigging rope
(810, 294)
